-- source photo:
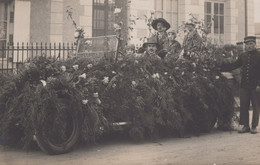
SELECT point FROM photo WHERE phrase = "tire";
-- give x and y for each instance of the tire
(50, 147)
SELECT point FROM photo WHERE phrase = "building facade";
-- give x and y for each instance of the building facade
(231, 20)
(47, 20)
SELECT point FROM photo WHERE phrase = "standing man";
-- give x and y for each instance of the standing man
(192, 41)
(249, 62)
(161, 26)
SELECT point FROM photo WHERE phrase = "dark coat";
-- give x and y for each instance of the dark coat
(174, 47)
(250, 68)
(192, 42)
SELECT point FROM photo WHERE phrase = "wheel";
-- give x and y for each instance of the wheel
(53, 143)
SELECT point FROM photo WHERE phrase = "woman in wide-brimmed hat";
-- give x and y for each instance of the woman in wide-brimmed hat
(161, 26)
(160, 21)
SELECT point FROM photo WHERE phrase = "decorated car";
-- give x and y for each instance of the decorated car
(61, 103)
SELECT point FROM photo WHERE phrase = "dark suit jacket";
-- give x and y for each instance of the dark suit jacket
(250, 68)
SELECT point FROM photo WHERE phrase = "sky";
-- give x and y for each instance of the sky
(257, 11)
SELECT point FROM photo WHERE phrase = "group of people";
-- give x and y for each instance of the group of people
(163, 43)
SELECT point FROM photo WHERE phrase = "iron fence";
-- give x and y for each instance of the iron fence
(12, 56)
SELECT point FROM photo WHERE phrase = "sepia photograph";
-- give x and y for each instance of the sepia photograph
(129, 82)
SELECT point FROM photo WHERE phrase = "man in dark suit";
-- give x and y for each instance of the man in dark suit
(249, 62)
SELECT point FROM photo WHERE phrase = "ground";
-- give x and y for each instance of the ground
(214, 148)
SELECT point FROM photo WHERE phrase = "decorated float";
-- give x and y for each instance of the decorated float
(61, 103)
(57, 104)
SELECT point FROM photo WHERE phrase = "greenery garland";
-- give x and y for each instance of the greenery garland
(156, 96)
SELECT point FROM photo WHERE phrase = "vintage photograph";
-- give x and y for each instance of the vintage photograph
(129, 82)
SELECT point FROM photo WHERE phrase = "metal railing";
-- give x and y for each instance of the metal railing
(14, 55)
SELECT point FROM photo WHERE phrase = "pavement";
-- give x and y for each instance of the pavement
(214, 148)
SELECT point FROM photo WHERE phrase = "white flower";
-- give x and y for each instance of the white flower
(34, 138)
(194, 64)
(83, 76)
(75, 67)
(79, 28)
(134, 84)
(84, 101)
(217, 77)
(223, 55)
(89, 66)
(98, 101)
(43, 83)
(95, 95)
(113, 72)
(114, 85)
(182, 73)
(117, 10)
(88, 42)
(136, 62)
(156, 75)
(76, 34)
(63, 68)
(105, 80)
(205, 69)
(165, 73)
(117, 27)
(193, 72)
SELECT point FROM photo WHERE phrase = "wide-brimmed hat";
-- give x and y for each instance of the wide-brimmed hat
(151, 40)
(250, 39)
(162, 20)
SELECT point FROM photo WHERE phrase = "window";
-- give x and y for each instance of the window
(103, 17)
(167, 9)
(214, 16)
(3, 26)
